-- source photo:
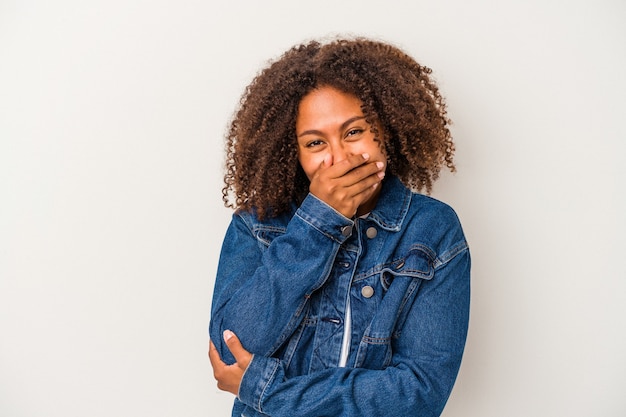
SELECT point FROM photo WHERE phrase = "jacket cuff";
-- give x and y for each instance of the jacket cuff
(325, 218)
(259, 374)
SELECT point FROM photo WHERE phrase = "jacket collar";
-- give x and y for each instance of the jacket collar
(392, 206)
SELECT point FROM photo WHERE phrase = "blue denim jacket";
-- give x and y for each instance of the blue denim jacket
(283, 285)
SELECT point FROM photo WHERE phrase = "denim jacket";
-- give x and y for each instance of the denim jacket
(283, 285)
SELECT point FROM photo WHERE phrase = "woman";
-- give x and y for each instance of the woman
(340, 291)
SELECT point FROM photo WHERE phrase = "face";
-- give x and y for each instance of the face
(331, 123)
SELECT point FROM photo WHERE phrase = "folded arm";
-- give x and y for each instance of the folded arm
(260, 294)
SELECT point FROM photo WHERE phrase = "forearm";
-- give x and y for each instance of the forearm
(259, 293)
(402, 390)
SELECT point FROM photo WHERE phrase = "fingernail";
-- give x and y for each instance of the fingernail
(366, 156)
(380, 165)
(381, 174)
(227, 335)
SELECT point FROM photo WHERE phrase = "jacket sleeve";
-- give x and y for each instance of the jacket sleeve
(261, 294)
(425, 362)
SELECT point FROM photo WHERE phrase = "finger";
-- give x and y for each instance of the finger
(364, 176)
(241, 355)
(364, 188)
(214, 356)
(366, 185)
(339, 169)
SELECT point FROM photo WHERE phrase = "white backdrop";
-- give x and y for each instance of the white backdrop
(112, 115)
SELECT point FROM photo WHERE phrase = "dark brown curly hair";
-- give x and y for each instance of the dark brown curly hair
(262, 168)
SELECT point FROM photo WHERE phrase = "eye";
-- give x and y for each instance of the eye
(354, 132)
(314, 143)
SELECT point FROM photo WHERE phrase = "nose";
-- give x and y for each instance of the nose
(339, 152)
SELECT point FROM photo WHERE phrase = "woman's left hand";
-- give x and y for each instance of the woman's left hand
(229, 377)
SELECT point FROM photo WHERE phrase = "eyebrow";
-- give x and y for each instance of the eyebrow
(342, 127)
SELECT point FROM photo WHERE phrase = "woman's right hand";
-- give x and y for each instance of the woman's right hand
(348, 184)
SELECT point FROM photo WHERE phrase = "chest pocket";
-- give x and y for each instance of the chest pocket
(401, 279)
(417, 263)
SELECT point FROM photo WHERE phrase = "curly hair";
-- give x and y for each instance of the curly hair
(397, 94)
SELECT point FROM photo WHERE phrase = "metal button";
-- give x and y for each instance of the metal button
(367, 291)
(371, 232)
(346, 231)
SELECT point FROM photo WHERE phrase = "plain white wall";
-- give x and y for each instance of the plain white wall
(112, 115)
